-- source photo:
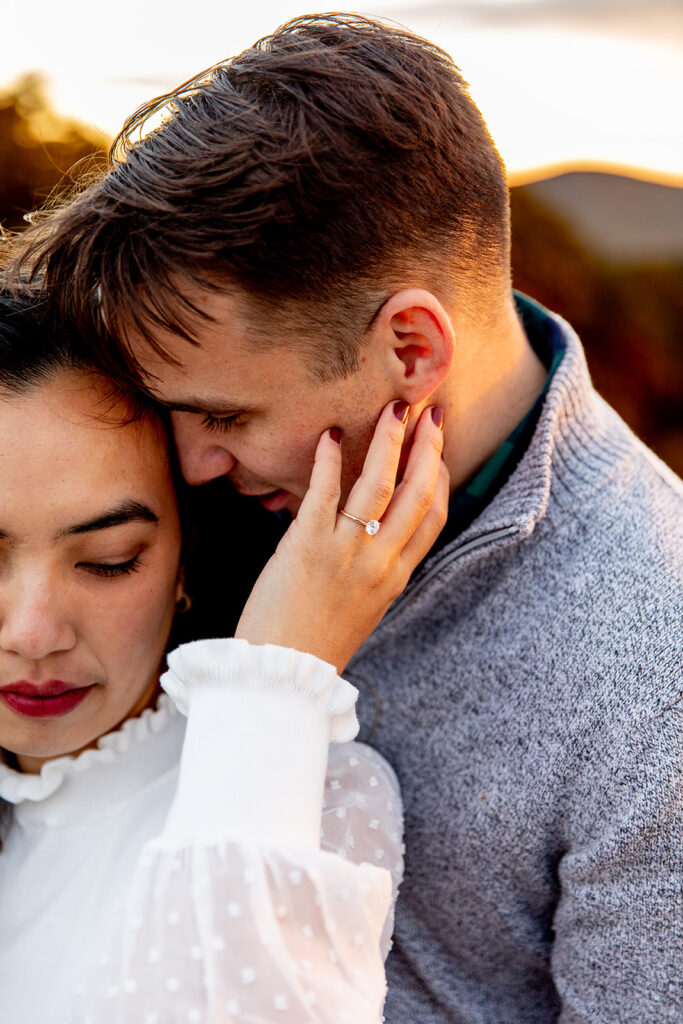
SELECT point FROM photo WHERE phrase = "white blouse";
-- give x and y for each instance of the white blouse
(214, 870)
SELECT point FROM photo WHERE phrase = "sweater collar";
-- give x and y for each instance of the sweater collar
(566, 460)
(468, 502)
(87, 787)
(571, 410)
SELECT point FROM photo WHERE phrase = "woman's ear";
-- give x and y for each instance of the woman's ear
(183, 601)
(420, 342)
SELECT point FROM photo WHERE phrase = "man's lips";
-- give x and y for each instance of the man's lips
(42, 700)
(271, 500)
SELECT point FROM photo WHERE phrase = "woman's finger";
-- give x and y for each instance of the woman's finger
(421, 542)
(372, 492)
(319, 506)
(415, 494)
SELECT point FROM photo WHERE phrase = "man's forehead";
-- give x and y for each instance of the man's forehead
(224, 340)
(238, 359)
(223, 385)
(217, 375)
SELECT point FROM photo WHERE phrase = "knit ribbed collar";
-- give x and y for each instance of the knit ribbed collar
(567, 459)
(467, 503)
(88, 787)
(572, 412)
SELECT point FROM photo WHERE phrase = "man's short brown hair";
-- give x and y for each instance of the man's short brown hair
(335, 160)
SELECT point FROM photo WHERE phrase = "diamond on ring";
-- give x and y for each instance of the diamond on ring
(371, 526)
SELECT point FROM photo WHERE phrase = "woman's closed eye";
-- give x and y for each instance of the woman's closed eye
(109, 570)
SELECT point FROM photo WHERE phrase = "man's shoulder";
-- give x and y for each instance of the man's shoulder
(596, 466)
(639, 464)
(631, 512)
(608, 563)
(594, 592)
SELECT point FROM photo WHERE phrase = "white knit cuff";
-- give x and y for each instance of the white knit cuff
(223, 663)
(260, 720)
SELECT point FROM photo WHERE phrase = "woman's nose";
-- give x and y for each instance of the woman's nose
(202, 456)
(34, 621)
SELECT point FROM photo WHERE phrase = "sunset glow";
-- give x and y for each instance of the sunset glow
(554, 92)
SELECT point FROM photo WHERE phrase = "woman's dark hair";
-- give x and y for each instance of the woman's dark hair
(336, 159)
(32, 348)
(35, 346)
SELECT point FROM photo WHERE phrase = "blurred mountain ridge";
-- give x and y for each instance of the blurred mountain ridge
(618, 216)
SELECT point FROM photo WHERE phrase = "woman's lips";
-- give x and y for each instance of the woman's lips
(53, 698)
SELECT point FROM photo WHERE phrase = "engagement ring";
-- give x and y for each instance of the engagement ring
(371, 526)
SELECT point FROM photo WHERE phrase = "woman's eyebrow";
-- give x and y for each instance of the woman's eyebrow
(125, 512)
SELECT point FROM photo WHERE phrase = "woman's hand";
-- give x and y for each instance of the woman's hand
(329, 583)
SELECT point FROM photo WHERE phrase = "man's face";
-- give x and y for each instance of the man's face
(254, 414)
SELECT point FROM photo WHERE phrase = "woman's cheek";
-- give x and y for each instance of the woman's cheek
(139, 623)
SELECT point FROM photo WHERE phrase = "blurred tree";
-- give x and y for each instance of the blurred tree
(38, 149)
(630, 319)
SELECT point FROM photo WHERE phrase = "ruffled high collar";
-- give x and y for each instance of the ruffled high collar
(87, 786)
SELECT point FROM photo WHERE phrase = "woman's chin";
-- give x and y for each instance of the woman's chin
(31, 753)
(34, 738)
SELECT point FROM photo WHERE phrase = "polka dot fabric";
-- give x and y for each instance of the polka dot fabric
(238, 932)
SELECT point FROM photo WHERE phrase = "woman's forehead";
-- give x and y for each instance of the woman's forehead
(63, 449)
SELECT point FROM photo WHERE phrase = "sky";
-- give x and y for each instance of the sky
(560, 82)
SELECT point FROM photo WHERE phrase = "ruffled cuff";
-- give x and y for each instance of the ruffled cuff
(230, 663)
(260, 720)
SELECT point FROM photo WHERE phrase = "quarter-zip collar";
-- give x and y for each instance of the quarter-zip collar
(569, 419)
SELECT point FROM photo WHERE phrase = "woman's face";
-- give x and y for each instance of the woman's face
(89, 566)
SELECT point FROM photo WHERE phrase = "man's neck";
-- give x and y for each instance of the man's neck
(495, 379)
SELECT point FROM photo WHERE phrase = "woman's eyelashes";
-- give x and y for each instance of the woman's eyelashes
(109, 570)
(221, 423)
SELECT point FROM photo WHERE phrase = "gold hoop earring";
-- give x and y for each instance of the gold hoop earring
(183, 604)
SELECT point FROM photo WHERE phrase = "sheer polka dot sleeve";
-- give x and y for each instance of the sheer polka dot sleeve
(233, 933)
(362, 816)
(224, 923)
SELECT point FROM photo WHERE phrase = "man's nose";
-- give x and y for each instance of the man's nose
(35, 620)
(202, 457)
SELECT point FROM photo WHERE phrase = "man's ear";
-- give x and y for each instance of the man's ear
(419, 340)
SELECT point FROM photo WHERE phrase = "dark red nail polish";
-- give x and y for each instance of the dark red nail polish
(401, 410)
(335, 434)
(437, 416)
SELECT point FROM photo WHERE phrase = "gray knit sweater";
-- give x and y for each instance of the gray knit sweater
(527, 688)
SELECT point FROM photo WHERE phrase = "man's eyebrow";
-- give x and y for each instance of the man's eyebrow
(200, 406)
(125, 512)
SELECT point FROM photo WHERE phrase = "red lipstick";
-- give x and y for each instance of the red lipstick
(53, 697)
